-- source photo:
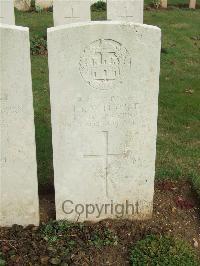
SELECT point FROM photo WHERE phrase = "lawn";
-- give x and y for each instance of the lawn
(171, 2)
(178, 145)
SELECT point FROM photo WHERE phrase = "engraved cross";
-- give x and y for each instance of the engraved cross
(126, 15)
(105, 156)
(72, 14)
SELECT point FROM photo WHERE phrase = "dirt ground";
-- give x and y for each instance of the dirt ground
(176, 212)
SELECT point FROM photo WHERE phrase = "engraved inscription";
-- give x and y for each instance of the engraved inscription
(103, 63)
(3, 161)
(3, 105)
(6, 109)
(3, 97)
(3, 125)
(114, 111)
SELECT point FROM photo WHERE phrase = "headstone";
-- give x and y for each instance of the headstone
(70, 11)
(125, 10)
(104, 83)
(23, 5)
(18, 175)
(192, 4)
(7, 15)
(163, 3)
(43, 4)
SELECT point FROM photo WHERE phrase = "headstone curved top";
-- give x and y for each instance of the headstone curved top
(7, 15)
(70, 11)
(125, 10)
(104, 83)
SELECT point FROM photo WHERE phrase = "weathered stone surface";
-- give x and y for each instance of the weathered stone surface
(69, 11)
(104, 83)
(163, 3)
(18, 175)
(192, 4)
(125, 10)
(7, 15)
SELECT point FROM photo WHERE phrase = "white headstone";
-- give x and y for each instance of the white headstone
(125, 10)
(7, 15)
(163, 3)
(18, 174)
(104, 83)
(69, 11)
(192, 4)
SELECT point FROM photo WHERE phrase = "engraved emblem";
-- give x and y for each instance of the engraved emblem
(103, 63)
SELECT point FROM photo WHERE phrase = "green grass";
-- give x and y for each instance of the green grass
(38, 24)
(2, 261)
(171, 2)
(179, 113)
(42, 119)
(178, 145)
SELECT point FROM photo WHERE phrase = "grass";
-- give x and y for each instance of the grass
(38, 24)
(178, 145)
(2, 261)
(178, 124)
(172, 2)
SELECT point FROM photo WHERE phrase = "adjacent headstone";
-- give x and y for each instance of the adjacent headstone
(192, 4)
(43, 4)
(7, 15)
(125, 10)
(104, 83)
(70, 11)
(163, 3)
(18, 174)
(23, 5)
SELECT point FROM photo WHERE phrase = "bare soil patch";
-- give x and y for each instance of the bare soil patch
(176, 212)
